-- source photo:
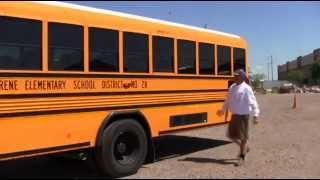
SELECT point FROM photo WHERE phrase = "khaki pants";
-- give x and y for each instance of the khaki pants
(239, 127)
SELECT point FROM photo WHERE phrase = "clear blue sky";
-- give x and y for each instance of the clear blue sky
(285, 30)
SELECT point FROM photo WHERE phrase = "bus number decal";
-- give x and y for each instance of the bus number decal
(144, 84)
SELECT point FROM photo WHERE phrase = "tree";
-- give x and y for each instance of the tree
(296, 76)
(315, 69)
(256, 79)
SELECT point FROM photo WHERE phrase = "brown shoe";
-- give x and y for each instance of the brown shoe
(248, 150)
(241, 160)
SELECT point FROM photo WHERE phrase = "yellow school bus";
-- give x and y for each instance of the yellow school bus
(74, 77)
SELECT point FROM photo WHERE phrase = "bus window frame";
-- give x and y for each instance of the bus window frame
(245, 57)
(148, 45)
(174, 58)
(231, 60)
(85, 43)
(42, 49)
(88, 50)
(193, 41)
(214, 60)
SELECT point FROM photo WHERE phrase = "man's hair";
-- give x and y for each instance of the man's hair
(243, 75)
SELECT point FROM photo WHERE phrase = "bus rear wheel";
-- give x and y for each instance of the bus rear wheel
(123, 149)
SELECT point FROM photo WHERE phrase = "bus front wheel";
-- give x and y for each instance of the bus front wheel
(123, 149)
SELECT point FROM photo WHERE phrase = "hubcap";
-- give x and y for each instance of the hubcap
(127, 148)
(122, 148)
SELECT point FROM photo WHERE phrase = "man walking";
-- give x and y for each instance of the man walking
(242, 103)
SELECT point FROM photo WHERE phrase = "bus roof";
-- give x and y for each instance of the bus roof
(120, 14)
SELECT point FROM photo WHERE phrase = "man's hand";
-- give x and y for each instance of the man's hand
(255, 120)
(220, 112)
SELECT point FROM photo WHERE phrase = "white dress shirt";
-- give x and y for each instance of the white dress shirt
(241, 100)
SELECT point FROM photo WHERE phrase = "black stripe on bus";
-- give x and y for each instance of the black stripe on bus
(15, 96)
(48, 112)
(188, 119)
(75, 75)
(44, 150)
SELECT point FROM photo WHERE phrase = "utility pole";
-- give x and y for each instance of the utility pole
(271, 67)
(268, 70)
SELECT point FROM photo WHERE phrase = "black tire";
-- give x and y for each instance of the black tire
(123, 150)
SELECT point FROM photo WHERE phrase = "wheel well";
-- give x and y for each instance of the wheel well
(135, 115)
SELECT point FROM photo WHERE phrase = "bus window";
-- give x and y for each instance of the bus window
(186, 57)
(104, 49)
(224, 60)
(20, 44)
(163, 54)
(135, 52)
(65, 47)
(239, 59)
(206, 58)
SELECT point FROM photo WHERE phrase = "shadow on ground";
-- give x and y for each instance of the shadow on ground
(211, 160)
(167, 147)
(174, 146)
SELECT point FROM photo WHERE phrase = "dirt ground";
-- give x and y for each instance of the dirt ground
(286, 144)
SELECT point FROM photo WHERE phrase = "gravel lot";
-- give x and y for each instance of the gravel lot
(284, 145)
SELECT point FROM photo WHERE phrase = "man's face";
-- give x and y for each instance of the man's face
(237, 79)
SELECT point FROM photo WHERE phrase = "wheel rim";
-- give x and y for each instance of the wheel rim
(127, 148)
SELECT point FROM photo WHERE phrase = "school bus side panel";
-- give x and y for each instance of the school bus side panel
(27, 133)
(44, 131)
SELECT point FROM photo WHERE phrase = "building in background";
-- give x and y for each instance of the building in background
(302, 64)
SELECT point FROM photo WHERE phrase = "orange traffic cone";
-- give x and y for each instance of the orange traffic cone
(294, 102)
